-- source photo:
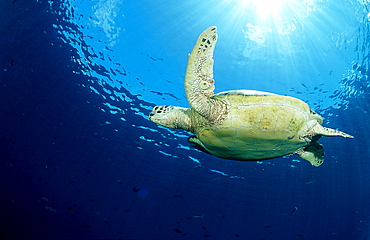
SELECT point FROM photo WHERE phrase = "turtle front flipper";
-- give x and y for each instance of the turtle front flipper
(197, 144)
(314, 153)
(199, 83)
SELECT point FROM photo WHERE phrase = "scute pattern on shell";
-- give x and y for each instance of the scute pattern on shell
(257, 127)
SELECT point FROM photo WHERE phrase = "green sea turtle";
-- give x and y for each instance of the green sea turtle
(242, 124)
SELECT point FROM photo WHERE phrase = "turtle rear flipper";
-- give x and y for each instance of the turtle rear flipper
(314, 153)
(329, 132)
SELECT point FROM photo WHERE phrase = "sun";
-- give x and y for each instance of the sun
(266, 9)
(269, 8)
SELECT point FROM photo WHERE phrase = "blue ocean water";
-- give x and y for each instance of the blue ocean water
(80, 159)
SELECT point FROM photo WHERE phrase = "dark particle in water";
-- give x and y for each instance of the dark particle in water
(176, 230)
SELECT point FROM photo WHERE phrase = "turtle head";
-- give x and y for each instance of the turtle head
(170, 117)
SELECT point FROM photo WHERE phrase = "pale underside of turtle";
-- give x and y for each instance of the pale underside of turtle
(242, 124)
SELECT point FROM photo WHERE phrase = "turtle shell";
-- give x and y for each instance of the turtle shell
(259, 125)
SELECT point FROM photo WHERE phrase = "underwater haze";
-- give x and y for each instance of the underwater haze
(80, 158)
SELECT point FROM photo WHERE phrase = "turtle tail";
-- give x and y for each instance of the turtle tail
(329, 132)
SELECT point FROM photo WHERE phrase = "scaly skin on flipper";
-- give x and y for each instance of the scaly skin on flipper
(199, 83)
(329, 132)
(314, 153)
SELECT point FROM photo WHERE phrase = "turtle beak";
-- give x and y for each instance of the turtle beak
(152, 113)
(155, 114)
(158, 115)
(157, 118)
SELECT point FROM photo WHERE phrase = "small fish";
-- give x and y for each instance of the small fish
(294, 210)
(309, 181)
(198, 216)
(50, 209)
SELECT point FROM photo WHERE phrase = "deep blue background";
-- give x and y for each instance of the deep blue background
(79, 159)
